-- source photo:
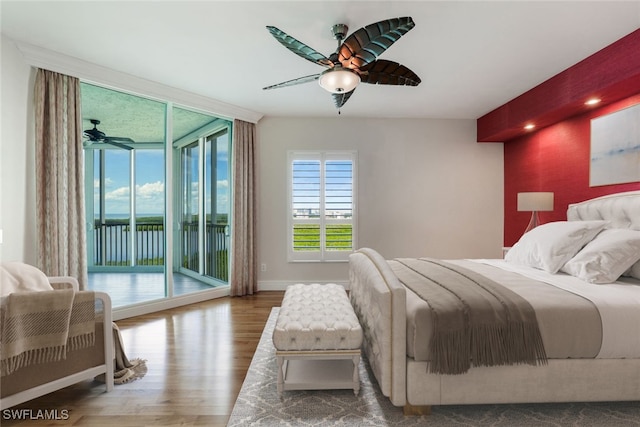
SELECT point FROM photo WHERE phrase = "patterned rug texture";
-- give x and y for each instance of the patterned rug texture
(258, 404)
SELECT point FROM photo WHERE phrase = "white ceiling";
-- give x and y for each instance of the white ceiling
(471, 56)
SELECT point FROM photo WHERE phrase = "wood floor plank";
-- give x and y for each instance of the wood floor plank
(197, 358)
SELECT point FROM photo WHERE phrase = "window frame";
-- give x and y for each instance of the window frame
(323, 254)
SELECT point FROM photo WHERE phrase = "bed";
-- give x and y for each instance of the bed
(581, 278)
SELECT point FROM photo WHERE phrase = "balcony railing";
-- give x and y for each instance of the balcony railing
(216, 249)
(112, 246)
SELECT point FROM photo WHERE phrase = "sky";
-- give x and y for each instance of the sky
(149, 163)
(150, 181)
(338, 185)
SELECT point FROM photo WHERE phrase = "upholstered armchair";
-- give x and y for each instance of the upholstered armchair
(35, 358)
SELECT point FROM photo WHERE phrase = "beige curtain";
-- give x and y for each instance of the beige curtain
(60, 215)
(244, 265)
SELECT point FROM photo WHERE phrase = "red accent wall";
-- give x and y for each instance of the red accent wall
(611, 74)
(555, 158)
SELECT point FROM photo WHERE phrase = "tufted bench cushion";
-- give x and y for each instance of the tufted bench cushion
(317, 339)
(317, 317)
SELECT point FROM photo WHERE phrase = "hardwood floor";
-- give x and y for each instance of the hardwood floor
(132, 288)
(197, 358)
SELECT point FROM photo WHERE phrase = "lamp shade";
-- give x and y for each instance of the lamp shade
(339, 80)
(535, 201)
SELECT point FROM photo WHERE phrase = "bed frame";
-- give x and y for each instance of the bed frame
(379, 301)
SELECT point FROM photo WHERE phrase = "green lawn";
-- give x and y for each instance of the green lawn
(307, 237)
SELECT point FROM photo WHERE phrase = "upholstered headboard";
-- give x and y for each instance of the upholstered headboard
(621, 209)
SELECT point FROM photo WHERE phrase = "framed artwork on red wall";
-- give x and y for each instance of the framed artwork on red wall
(615, 147)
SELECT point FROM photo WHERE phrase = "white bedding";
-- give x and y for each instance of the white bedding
(382, 305)
(618, 304)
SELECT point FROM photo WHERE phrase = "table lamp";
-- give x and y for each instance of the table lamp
(534, 202)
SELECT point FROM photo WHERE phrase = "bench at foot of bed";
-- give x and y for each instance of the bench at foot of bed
(318, 370)
(317, 339)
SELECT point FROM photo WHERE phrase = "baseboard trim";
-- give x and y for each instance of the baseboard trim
(168, 303)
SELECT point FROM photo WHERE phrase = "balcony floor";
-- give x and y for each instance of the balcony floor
(133, 288)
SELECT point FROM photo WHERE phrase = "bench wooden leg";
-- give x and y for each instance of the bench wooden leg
(356, 375)
(280, 360)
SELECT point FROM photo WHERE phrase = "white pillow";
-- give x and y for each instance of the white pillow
(549, 246)
(606, 257)
(20, 277)
(634, 271)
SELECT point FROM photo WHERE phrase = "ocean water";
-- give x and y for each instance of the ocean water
(116, 240)
(126, 215)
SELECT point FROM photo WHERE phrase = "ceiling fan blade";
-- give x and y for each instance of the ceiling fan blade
(383, 72)
(117, 144)
(367, 43)
(119, 138)
(94, 134)
(298, 81)
(339, 99)
(299, 48)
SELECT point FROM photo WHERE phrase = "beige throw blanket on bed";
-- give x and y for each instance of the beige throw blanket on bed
(39, 327)
(476, 321)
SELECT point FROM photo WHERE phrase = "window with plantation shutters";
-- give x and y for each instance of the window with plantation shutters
(321, 213)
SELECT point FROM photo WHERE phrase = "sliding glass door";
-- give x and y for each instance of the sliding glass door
(129, 176)
(190, 241)
(203, 227)
(216, 209)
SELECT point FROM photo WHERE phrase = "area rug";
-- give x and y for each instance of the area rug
(258, 404)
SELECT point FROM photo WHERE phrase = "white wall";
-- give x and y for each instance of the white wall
(17, 143)
(17, 157)
(425, 188)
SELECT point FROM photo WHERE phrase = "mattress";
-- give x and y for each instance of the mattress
(570, 325)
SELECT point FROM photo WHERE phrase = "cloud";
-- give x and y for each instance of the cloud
(150, 198)
(116, 201)
(121, 193)
(223, 203)
(107, 182)
(150, 190)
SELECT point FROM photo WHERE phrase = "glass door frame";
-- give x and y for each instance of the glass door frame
(200, 137)
(170, 213)
(89, 170)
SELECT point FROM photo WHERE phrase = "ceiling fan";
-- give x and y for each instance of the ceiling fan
(355, 60)
(94, 135)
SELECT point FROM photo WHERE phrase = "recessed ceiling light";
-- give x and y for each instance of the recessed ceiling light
(593, 101)
(529, 126)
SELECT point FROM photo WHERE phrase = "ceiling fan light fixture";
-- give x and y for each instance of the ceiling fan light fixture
(355, 60)
(339, 80)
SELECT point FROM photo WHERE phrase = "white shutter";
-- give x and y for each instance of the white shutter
(321, 205)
